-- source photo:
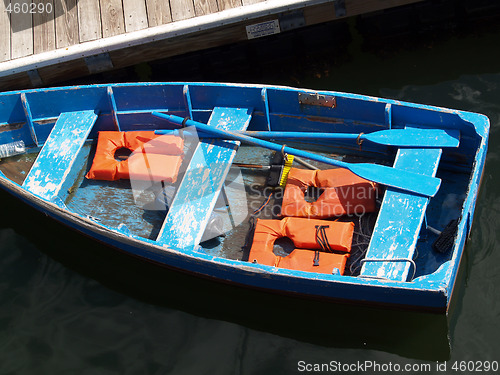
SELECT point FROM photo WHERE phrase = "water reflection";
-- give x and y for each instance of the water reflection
(123, 279)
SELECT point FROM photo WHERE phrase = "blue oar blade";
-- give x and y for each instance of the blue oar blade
(417, 183)
(412, 137)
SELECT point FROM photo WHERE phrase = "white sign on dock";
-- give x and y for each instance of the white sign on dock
(263, 29)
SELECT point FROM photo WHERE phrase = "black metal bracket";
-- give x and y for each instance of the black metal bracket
(339, 8)
(99, 63)
(34, 76)
(292, 20)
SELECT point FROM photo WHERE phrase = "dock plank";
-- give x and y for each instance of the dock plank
(182, 9)
(158, 12)
(44, 27)
(66, 21)
(5, 32)
(229, 4)
(135, 14)
(89, 20)
(113, 22)
(58, 154)
(203, 7)
(203, 180)
(22, 33)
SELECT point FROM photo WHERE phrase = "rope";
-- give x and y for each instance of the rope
(359, 141)
(263, 205)
(183, 124)
(283, 152)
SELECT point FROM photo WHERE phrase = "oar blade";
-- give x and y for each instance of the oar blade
(413, 137)
(413, 182)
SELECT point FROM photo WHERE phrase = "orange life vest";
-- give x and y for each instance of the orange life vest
(344, 193)
(307, 238)
(154, 157)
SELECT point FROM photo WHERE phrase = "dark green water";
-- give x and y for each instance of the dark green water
(71, 306)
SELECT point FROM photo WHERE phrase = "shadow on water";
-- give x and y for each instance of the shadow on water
(409, 334)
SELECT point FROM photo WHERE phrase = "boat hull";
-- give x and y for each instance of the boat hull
(364, 292)
(430, 291)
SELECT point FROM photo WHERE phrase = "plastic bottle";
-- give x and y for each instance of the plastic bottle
(13, 148)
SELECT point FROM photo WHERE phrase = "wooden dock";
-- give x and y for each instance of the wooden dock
(43, 42)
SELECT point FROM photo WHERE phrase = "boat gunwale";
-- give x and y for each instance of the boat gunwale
(362, 97)
(466, 116)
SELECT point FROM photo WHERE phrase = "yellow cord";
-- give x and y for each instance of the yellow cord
(286, 169)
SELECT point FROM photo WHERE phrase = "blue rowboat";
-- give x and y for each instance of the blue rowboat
(179, 174)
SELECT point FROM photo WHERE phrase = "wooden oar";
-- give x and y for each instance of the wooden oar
(409, 137)
(412, 182)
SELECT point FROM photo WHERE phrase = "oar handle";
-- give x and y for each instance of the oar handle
(299, 135)
(271, 134)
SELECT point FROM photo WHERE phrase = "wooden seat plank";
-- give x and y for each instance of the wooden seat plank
(399, 221)
(58, 154)
(203, 180)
